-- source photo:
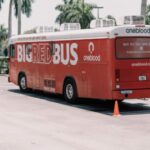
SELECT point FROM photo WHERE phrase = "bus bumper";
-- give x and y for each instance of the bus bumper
(131, 94)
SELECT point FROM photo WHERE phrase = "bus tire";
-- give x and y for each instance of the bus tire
(70, 91)
(23, 83)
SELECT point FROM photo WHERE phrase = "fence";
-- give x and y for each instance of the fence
(3, 65)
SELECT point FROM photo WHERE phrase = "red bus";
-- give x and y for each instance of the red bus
(111, 63)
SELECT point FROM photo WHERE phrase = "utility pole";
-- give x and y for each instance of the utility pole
(143, 7)
(98, 10)
(19, 16)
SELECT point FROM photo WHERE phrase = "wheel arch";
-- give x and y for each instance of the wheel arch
(70, 78)
(19, 75)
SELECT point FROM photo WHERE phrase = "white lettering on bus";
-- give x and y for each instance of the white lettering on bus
(56, 57)
(29, 53)
(71, 54)
(92, 58)
(140, 64)
(63, 53)
(63, 60)
(19, 53)
(24, 53)
(74, 47)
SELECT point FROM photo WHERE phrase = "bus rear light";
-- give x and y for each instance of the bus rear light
(117, 74)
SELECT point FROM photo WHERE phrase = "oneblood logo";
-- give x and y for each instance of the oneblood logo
(91, 57)
(44, 53)
(138, 30)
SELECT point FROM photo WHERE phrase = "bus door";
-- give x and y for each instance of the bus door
(133, 62)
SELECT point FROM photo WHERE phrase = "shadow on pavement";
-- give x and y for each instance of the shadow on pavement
(99, 106)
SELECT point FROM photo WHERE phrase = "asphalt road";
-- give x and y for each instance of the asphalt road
(38, 121)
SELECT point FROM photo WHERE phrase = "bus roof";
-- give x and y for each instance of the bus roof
(107, 32)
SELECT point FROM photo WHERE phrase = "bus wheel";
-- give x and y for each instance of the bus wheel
(23, 83)
(70, 91)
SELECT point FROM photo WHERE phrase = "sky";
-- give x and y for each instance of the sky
(44, 13)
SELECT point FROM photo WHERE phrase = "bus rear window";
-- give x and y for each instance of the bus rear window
(132, 48)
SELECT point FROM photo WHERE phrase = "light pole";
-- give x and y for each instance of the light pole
(98, 10)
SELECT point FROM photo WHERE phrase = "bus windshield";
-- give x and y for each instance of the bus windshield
(132, 48)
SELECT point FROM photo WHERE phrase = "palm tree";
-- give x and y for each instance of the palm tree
(143, 7)
(3, 36)
(23, 6)
(63, 10)
(3, 33)
(74, 11)
(147, 16)
(111, 17)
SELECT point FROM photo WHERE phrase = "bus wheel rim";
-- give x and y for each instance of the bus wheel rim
(23, 83)
(69, 91)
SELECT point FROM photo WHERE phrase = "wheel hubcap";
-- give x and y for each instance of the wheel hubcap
(69, 91)
(23, 83)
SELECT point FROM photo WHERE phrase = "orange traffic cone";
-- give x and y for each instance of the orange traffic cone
(116, 109)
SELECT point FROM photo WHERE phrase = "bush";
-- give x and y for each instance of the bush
(3, 65)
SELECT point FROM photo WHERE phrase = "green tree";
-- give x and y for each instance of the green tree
(147, 17)
(26, 8)
(143, 7)
(75, 11)
(3, 37)
(3, 33)
(111, 17)
(63, 8)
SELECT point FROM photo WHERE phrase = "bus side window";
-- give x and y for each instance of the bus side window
(12, 51)
(52, 48)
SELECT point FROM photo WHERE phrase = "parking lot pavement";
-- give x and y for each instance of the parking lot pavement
(38, 121)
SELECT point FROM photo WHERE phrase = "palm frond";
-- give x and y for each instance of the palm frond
(26, 7)
(75, 11)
